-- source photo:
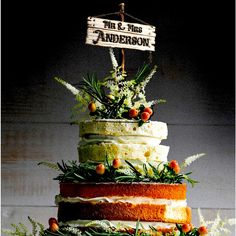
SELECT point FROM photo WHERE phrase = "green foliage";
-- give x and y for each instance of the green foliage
(79, 172)
(93, 87)
(22, 230)
(49, 164)
(126, 94)
(142, 73)
(105, 228)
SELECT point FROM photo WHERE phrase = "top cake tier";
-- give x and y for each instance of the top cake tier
(116, 127)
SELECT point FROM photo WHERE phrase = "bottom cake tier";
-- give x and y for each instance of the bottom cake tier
(148, 202)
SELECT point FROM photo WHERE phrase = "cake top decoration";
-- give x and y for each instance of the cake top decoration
(117, 96)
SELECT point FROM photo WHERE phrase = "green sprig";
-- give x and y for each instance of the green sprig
(80, 172)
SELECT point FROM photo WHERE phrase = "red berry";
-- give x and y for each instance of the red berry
(186, 228)
(145, 116)
(133, 113)
(54, 227)
(100, 169)
(148, 110)
(175, 166)
(202, 230)
(116, 163)
(92, 107)
(52, 220)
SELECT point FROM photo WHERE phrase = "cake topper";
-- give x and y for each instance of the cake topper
(120, 34)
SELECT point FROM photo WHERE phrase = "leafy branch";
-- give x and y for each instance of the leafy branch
(93, 87)
(79, 172)
(142, 73)
(21, 230)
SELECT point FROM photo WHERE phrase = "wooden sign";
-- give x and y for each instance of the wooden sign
(119, 34)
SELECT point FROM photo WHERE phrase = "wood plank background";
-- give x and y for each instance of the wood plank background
(195, 75)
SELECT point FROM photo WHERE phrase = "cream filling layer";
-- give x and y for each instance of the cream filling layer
(128, 199)
(120, 139)
(119, 224)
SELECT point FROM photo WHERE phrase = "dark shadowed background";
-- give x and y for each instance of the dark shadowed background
(195, 58)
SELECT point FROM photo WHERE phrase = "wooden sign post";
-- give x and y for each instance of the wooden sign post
(118, 34)
(122, 16)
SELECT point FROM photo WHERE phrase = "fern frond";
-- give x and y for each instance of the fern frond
(41, 228)
(50, 165)
(70, 87)
(191, 159)
(34, 226)
(7, 231)
(201, 217)
(23, 229)
(148, 77)
(113, 59)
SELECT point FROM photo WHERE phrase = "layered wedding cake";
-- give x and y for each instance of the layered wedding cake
(118, 141)
(123, 183)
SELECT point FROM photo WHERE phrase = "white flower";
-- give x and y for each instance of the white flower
(217, 226)
(146, 81)
(201, 217)
(191, 159)
(70, 87)
(113, 59)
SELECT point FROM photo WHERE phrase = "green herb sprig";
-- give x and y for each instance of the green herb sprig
(81, 172)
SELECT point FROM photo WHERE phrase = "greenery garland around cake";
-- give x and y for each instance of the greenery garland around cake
(91, 171)
(115, 97)
(216, 227)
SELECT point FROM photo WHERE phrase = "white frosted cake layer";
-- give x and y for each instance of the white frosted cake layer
(121, 127)
(123, 139)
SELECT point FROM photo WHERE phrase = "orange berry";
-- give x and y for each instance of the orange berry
(100, 169)
(52, 220)
(148, 110)
(145, 116)
(186, 228)
(92, 107)
(54, 227)
(177, 169)
(133, 113)
(202, 230)
(175, 166)
(116, 163)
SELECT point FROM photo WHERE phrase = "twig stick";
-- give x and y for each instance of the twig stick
(122, 16)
